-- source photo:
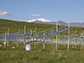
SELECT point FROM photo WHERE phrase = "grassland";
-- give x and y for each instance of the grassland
(16, 25)
(38, 54)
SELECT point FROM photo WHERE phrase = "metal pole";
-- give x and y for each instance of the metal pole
(30, 36)
(36, 38)
(82, 40)
(75, 37)
(44, 41)
(63, 41)
(56, 34)
(68, 36)
(24, 35)
(18, 37)
(5, 41)
(8, 38)
(52, 39)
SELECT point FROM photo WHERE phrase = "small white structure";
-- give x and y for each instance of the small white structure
(4, 43)
(13, 47)
(73, 46)
(28, 47)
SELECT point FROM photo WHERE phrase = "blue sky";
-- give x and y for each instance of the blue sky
(54, 10)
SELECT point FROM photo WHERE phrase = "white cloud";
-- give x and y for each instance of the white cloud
(35, 15)
(4, 13)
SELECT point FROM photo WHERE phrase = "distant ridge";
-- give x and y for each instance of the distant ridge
(77, 24)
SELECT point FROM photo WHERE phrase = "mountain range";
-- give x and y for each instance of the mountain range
(45, 21)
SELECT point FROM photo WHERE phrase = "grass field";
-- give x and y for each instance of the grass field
(40, 55)
(16, 25)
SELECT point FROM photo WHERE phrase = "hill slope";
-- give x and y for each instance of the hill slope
(16, 25)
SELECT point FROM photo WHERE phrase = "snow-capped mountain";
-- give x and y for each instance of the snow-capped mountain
(45, 21)
(40, 19)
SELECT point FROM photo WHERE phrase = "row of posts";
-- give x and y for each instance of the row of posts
(7, 37)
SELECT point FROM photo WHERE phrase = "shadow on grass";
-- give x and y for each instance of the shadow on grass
(44, 50)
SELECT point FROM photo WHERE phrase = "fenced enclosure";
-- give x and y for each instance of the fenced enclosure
(58, 35)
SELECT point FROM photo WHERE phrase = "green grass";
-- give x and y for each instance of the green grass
(16, 25)
(40, 55)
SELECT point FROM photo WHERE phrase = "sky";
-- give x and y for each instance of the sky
(54, 10)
